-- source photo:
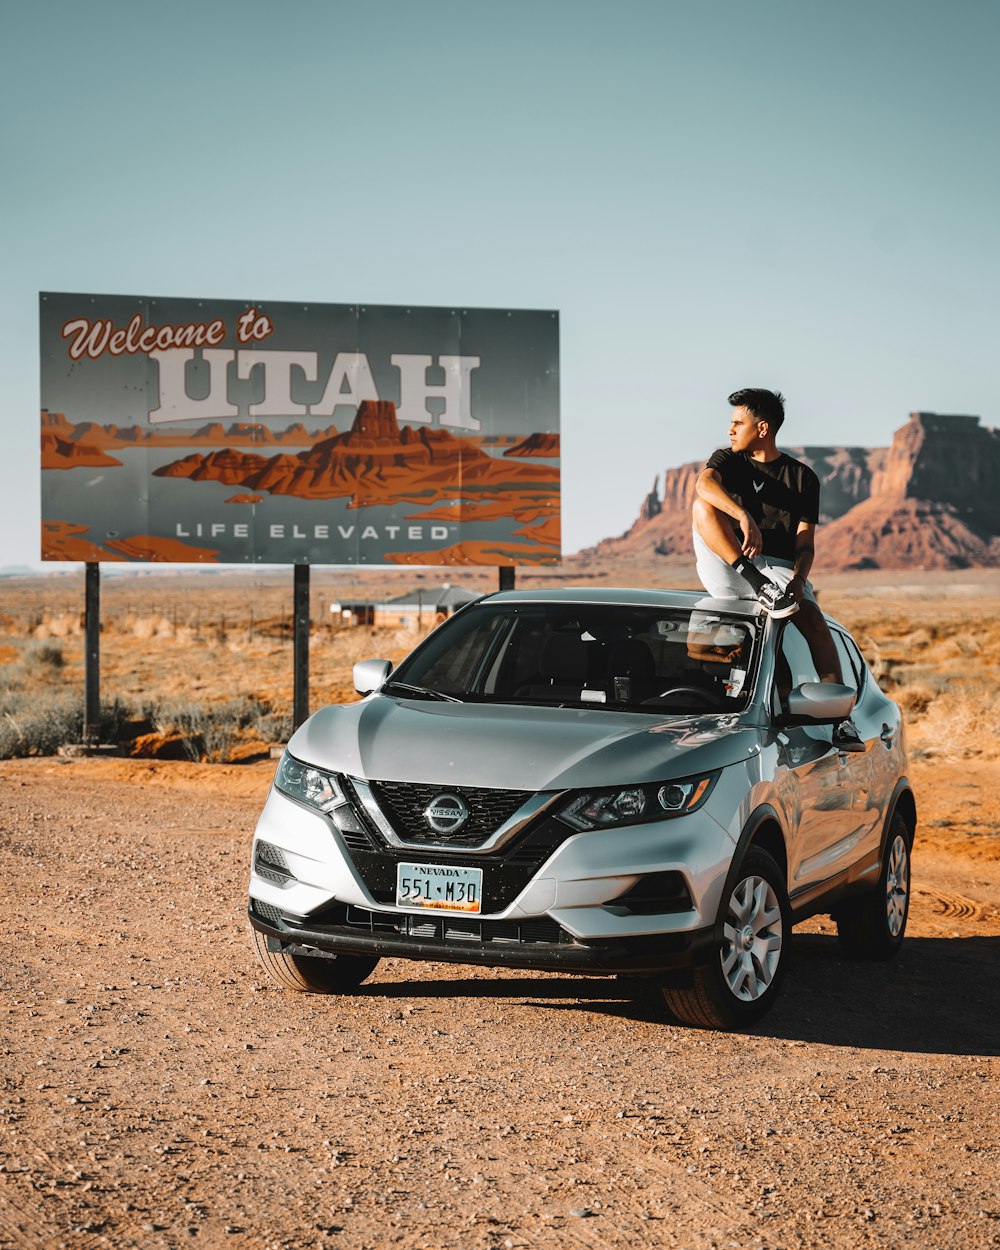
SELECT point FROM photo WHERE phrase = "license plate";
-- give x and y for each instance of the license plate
(439, 886)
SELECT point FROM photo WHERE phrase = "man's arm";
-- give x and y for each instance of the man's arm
(805, 551)
(709, 487)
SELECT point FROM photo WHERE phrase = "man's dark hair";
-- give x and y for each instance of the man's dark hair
(766, 406)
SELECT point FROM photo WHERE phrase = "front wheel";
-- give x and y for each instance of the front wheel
(740, 982)
(312, 974)
(872, 926)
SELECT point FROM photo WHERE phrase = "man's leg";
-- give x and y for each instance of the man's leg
(725, 572)
(716, 531)
(812, 625)
(810, 622)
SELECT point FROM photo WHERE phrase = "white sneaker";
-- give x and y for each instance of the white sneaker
(776, 601)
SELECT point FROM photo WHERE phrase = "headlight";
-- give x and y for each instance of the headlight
(635, 805)
(308, 785)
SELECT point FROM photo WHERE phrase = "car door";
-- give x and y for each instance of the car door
(816, 779)
(867, 802)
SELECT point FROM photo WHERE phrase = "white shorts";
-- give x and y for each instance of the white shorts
(723, 582)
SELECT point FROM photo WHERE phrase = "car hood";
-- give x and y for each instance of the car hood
(515, 747)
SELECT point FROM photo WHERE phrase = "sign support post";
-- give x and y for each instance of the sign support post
(92, 655)
(300, 644)
(507, 576)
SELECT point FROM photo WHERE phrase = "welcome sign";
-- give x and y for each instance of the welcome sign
(231, 432)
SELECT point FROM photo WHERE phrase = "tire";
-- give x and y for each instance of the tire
(872, 926)
(312, 974)
(740, 983)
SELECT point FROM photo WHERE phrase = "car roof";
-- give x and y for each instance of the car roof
(632, 598)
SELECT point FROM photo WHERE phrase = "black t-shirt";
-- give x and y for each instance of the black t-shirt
(778, 494)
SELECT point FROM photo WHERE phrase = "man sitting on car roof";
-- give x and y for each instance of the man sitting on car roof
(755, 520)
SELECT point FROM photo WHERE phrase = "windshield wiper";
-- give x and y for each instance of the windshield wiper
(424, 690)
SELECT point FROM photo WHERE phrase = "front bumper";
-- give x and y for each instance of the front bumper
(388, 937)
(552, 899)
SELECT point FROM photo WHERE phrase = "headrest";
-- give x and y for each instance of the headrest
(631, 659)
(564, 659)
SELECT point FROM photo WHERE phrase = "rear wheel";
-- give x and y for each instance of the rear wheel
(312, 974)
(872, 926)
(740, 982)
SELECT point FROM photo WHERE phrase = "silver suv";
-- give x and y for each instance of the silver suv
(612, 781)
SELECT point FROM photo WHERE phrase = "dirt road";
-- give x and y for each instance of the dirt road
(155, 1091)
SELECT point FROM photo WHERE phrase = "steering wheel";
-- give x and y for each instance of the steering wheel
(710, 696)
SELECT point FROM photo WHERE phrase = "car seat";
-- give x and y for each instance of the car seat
(631, 671)
(562, 668)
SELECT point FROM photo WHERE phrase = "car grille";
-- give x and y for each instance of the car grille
(506, 870)
(341, 916)
(458, 929)
(404, 804)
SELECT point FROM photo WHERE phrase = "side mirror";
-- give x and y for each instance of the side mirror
(370, 674)
(820, 701)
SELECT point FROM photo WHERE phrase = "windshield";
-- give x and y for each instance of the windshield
(598, 655)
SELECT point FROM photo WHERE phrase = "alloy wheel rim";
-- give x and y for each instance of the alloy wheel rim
(897, 886)
(752, 939)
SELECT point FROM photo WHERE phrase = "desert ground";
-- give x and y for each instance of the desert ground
(157, 1091)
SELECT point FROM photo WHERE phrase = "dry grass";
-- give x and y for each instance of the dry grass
(963, 722)
(204, 663)
(215, 689)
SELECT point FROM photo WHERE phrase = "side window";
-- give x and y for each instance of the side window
(518, 658)
(795, 651)
(793, 664)
(852, 666)
(456, 663)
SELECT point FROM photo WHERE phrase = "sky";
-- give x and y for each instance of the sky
(790, 194)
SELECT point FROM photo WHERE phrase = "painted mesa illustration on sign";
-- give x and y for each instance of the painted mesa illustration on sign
(229, 432)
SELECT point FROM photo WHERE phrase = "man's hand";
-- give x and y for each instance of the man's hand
(797, 587)
(752, 541)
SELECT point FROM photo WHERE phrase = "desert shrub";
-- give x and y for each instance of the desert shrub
(919, 639)
(925, 675)
(151, 627)
(363, 643)
(224, 722)
(44, 656)
(64, 626)
(217, 737)
(872, 653)
(39, 663)
(245, 710)
(33, 726)
(30, 725)
(274, 726)
(959, 647)
(207, 731)
(115, 715)
(914, 700)
(965, 720)
(187, 719)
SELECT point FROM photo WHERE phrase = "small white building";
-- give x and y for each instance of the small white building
(424, 605)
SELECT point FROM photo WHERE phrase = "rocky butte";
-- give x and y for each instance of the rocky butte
(376, 462)
(93, 435)
(931, 500)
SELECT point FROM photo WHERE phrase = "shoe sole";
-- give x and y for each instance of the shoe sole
(781, 613)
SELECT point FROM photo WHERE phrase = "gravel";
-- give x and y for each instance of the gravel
(157, 1090)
